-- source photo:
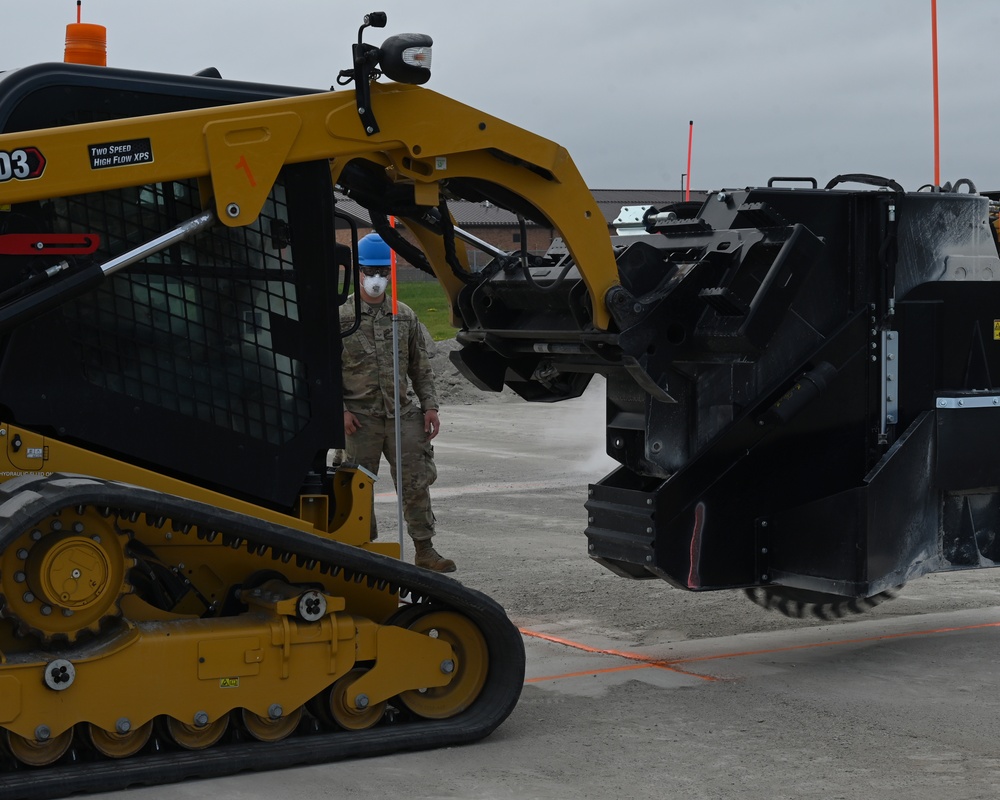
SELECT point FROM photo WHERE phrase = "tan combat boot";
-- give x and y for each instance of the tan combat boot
(429, 558)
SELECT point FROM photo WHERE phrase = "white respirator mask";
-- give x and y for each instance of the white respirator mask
(374, 285)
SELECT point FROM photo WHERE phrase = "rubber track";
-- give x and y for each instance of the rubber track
(26, 501)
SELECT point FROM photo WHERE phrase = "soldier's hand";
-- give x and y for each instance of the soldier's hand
(432, 425)
(351, 424)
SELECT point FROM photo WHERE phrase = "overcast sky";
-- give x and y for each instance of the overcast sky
(774, 87)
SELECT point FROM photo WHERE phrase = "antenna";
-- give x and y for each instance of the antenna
(687, 191)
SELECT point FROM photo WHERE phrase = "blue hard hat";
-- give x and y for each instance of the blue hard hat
(373, 252)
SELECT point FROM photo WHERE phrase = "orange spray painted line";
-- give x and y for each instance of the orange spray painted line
(673, 664)
(643, 661)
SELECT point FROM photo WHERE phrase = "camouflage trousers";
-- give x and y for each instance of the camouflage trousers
(377, 437)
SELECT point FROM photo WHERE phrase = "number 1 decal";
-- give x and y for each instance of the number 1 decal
(242, 164)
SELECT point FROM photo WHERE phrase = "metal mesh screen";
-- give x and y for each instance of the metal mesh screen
(207, 328)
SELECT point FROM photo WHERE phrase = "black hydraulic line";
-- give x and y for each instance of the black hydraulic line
(396, 240)
(29, 283)
(414, 255)
(448, 239)
(49, 296)
(526, 271)
(58, 291)
(864, 177)
(30, 499)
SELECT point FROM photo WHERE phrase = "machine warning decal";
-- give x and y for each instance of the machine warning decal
(229, 683)
(121, 154)
(996, 329)
(22, 164)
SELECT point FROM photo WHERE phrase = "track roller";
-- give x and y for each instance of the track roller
(39, 752)
(197, 737)
(122, 744)
(353, 714)
(271, 728)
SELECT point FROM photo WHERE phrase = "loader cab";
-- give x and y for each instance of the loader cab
(216, 360)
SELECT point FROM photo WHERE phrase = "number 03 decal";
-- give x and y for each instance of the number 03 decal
(22, 164)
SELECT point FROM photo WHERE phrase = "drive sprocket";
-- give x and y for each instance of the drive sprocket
(65, 577)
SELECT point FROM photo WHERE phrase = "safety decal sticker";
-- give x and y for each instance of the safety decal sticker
(121, 154)
(996, 329)
(22, 164)
(229, 683)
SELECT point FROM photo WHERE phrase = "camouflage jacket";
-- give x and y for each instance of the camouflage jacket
(367, 361)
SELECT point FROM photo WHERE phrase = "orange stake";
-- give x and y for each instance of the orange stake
(687, 192)
(937, 115)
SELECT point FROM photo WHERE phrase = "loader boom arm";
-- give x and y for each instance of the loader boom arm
(237, 151)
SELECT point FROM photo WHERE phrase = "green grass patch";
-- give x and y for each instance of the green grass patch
(430, 302)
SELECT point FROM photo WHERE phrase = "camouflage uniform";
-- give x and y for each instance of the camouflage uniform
(368, 394)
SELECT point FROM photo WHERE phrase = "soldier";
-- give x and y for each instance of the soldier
(369, 405)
